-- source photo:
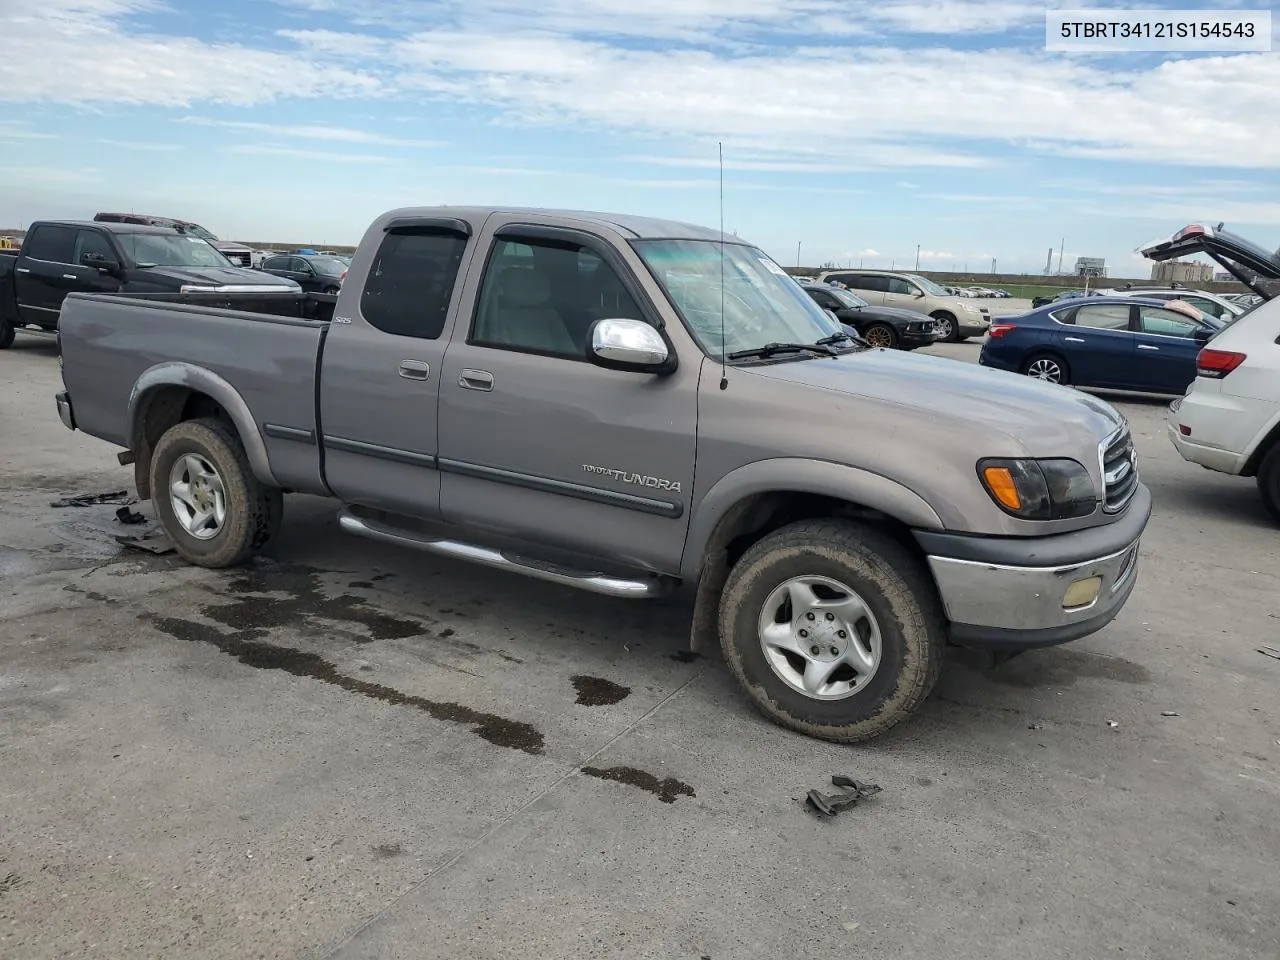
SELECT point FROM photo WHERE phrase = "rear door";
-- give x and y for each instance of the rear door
(43, 273)
(1165, 350)
(1097, 342)
(380, 381)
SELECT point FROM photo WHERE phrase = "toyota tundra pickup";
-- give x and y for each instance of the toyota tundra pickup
(633, 406)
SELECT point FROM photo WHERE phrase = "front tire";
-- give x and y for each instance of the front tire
(211, 506)
(1269, 481)
(948, 329)
(833, 628)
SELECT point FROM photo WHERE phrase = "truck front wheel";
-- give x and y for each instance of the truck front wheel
(833, 629)
(6, 334)
(211, 506)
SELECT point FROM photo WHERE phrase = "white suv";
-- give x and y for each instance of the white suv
(1229, 420)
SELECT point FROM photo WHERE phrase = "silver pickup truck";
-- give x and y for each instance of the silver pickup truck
(635, 406)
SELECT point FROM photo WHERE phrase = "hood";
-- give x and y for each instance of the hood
(895, 313)
(221, 277)
(225, 245)
(1045, 419)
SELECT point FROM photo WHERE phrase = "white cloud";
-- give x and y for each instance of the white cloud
(314, 131)
(99, 60)
(142, 145)
(327, 156)
(18, 130)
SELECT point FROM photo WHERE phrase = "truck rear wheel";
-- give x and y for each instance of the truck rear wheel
(833, 629)
(211, 506)
(6, 334)
(1269, 481)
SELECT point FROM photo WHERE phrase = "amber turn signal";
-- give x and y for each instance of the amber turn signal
(1000, 483)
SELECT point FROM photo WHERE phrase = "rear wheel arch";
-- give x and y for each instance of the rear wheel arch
(172, 393)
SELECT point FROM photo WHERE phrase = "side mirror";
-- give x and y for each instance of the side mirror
(918, 294)
(99, 262)
(622, 344)
(1203, 335)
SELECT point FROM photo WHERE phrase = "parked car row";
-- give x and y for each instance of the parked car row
(954, 318)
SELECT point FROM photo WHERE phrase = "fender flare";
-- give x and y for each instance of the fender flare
(201, 380)
(799, 475)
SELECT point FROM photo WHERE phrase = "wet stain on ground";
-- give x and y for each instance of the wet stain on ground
(665, 790)
(304, 602)
(244, 644)
(1060, 667)
(508, 657)
(598, 692)
(90, 594)
(685, 656)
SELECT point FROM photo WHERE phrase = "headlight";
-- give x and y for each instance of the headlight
(1039, 489)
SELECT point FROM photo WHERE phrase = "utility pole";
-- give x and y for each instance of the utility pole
(1060, 249)
(917, 258)
(993, 265)
(859, 263)
(798, 243)
(893, 264)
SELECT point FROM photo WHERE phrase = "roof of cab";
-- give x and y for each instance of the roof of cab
(636, 228)
(110, 226)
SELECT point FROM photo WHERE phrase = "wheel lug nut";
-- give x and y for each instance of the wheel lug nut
(831, 616)
(835, 652)
(814, 650)
(804, 633)
(809, 616)
(842, 635)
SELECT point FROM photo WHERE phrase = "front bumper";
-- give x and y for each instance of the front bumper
(911, 339)
(972, 326)
(65, 413)
(1011, 593)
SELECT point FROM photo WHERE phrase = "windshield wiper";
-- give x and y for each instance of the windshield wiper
(840, 337)
(772, 349)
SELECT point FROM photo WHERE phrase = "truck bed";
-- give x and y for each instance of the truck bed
(109, 343)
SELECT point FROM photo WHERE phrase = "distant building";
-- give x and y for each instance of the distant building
(1181, 271)
(1091, 267)
(1223, 275)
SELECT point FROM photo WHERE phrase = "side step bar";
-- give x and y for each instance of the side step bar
(638, 589)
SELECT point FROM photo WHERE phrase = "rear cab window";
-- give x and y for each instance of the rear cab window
(51, 242)
(411, 282)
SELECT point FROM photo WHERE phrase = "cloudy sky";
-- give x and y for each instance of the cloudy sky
(857, 129)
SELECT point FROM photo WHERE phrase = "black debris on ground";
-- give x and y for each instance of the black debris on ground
(851, 793)
(94, 499)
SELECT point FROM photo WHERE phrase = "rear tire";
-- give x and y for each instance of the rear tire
(893, 622)
(1269, 481)
(948, 329)
(206, 461)
(881, 335)
(1042, 366)
(7, 334)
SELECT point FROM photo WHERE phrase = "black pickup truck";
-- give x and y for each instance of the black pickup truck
(59, 257)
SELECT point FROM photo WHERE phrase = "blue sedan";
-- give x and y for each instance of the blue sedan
(1113, 343)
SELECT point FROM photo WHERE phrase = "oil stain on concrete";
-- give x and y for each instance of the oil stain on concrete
(598, 692)
(666, 789)
(245, 644)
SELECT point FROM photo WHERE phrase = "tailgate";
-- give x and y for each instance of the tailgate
(1251, 264)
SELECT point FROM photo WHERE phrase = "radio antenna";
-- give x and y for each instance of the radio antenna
(724, 370)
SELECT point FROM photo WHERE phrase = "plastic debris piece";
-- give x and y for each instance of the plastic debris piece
(125, 515)
(1112, 724)
(94, 499)
(1168, 713)
(153, 541)
(1269, 652)
(852, 791)
(851, 926)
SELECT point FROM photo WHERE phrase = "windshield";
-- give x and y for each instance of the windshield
(170, 250)
(195, 230)
(848, 299)
(761, 304)
(928, 286)
(328, 266)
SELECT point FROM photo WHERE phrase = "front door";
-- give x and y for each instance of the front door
(380, 376)
(1098, 345)
(537, 442)
(901, 294)
(1165, 350)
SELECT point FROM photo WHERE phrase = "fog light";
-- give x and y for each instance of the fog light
(1184, 430)
(1081, 593)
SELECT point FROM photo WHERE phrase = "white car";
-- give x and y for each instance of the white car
(1229, 420)
(1204, 301)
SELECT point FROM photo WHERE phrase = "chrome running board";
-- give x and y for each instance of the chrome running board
(637, 589)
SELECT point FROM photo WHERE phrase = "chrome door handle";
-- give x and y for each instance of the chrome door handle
(21, 270)
(69, 276)
(1147, 346)
(1073, 339)
(415, 369)
(476, 380)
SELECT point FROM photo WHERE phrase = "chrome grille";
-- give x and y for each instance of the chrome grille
(1119, 470)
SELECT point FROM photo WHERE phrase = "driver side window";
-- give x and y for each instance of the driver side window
(1166, 323)
(898, 285)
(91, 241)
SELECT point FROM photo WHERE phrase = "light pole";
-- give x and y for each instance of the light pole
(993, 264)
(917, 258)
(798, 243)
